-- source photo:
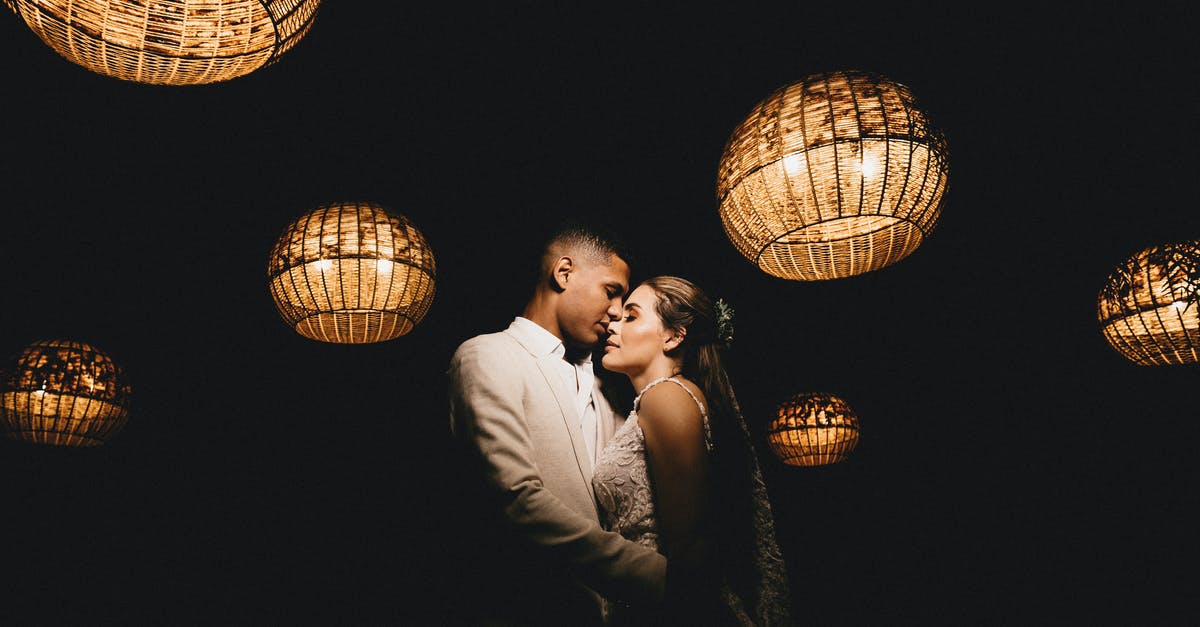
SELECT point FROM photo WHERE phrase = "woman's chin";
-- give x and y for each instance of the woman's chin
(611, 365)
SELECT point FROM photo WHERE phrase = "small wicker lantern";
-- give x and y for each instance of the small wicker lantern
(813, 429)
(1149, 308)
(169, 42)
(352, 273)
(63, 393)
(832, 176)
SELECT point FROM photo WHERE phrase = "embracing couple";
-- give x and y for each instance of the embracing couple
(660, 517)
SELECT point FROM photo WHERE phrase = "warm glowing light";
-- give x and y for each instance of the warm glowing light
(1144, 309)
(813, 429)
(169, 42)
(63, 393)
(832, 176)
(351, 273)
(794, 164)
(870, 167)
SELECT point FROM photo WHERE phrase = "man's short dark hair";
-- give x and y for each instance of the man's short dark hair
(595, 242)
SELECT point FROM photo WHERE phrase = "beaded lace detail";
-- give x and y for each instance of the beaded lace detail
(626, 506)
(621, 481)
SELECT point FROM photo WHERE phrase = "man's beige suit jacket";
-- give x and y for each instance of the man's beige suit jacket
(515, 411)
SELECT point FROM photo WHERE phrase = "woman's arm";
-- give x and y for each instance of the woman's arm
(678, 468)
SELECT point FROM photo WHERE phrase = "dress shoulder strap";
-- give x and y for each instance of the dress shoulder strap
(703, 412)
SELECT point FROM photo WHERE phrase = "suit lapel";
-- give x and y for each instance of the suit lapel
(566, 406)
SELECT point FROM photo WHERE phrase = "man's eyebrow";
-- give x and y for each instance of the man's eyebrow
(617, 286)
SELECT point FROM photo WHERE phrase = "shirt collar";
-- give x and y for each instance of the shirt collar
(543, 342)
(539, 340)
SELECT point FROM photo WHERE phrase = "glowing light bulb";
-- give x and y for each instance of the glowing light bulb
(871, 167)
(384, 266)
(324, 264)
(1179, 305)
(794, 164)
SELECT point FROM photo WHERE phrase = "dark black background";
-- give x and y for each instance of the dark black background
(1012, 469)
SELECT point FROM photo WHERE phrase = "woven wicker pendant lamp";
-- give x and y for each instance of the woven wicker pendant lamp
(351, 273)
(63, 393)
(832, 176)
(1149, 308)
(169, 42)
(813, 429)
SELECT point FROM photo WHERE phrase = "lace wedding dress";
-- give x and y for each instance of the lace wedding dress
(626, 504)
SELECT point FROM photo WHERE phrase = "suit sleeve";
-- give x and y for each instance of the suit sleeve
(486, 410)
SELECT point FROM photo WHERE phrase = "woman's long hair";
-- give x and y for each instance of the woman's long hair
(743, 528)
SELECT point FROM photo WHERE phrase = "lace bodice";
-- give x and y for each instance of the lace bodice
(626, 503)
(621, 481)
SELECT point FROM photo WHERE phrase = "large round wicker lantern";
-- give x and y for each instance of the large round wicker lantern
(63, 393)
(813, 429)
(1149, 308)
(832, 176)
(169, 42)
(352, 273)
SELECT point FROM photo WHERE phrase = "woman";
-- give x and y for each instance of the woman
(681, 475)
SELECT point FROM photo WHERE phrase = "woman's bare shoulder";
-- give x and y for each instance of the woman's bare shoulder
(670, 410)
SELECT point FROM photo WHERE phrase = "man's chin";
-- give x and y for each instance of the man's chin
(592, 341)
(591, 346)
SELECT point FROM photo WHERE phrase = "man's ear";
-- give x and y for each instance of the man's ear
(560, 272)
(674, 339)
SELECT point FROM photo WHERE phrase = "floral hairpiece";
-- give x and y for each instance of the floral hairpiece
(724, 322)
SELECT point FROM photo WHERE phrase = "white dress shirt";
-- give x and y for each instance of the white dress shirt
(579, 378)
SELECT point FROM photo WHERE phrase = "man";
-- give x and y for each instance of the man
(528, 406)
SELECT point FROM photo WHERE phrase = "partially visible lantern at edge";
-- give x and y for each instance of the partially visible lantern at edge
(169, 42)
(63, 393)
(813, 429)
(832, 176)
(351, 273)
(1149, 308)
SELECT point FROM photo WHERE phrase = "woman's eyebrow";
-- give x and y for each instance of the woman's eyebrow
(632, 306)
